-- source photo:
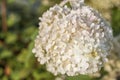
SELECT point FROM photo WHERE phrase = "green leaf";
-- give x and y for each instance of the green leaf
(1, 71)
(79, 77)
(116, 21)
(12, 19)
(42, 76)
(5, 54)
(23, 55)
(5, 78)
(10, 38)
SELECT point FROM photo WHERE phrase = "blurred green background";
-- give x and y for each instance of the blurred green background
(18, 29)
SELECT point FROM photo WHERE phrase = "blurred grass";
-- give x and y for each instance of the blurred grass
(17, 62)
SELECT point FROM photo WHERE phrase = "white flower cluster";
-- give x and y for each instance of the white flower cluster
(72, 41)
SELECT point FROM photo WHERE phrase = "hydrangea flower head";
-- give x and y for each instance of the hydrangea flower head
(74, 40)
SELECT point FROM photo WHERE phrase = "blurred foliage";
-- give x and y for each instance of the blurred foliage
(17, 62)
(116, 20)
